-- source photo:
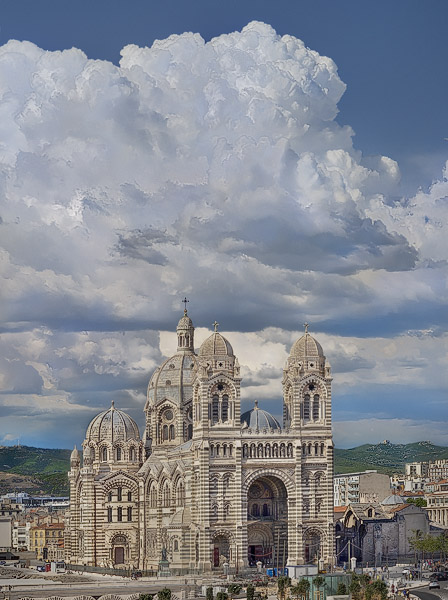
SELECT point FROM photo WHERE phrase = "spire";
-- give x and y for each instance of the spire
(256, 404)
(112, 405)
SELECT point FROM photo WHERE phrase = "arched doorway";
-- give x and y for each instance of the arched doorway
(119, 549)
(221, 549)
(267, 522)
(313, 546)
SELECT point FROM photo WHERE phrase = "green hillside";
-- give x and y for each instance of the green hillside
(44, 470)
(386, 457)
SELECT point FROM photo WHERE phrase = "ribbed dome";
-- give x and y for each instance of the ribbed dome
(112, 425)
(259, 419)
(185, 322)
(216, 345)
(393, 499)
(306, 347)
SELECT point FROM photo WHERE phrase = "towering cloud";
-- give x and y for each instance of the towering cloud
(212, 169)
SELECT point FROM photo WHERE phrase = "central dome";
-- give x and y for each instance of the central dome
(112, 425)
(259, 419)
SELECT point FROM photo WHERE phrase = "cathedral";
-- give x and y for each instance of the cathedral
(205, 485)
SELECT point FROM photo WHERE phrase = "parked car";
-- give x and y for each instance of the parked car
(40, 568)
(434, 585)
(440, 576)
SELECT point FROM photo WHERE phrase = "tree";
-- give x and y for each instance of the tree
(341, 589)
(234, 589)
(221, 596)
(164, 594)
(301, 589)
(318, 582)
(209, 593)
(283, 582)
(420, 502)
(250, 591)
(145, 596)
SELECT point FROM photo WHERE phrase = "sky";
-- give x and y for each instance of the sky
(274, 162)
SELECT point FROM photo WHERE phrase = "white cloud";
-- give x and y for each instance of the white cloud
(215, 170)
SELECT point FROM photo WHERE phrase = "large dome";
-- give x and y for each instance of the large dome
(306, 347)
(112, 425)
(216, 345)
(258, 419)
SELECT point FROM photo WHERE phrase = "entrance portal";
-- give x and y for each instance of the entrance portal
(119, 555)
(221, 550)
(267, 522)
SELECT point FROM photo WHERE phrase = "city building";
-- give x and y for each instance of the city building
(21, 535)
(47, 541)
(206, 485)
(379, 533)
(437, 506)
(364, 486)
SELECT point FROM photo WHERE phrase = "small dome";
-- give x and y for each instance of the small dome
(259, 419)
(185, 322)
(393, 499)
(216, 345)
(112, 425)
(74, 456)
(306, 347)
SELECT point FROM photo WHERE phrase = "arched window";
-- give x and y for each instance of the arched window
(322, 449)
(245, 451)
(212, 450)
(153, 496)
(92, 453)
(225, 408)
(132, 454)
(316, 410)
(266, 510)
(118, 453)
(190, 431)
(176, 546)
(165, 432)
(166, 494)
(119, 513)
(255, 510)
(129, 496)
(303, 448)
(129, 511)
(109, 514)
(217, 449)
(224, 450)
(180, 494)
(306, 407)
(215, 409)
(267, 451)
(172, 432)
(109, 497)
(230, 450)
(119, 494)
(316, 447)
(104, 454)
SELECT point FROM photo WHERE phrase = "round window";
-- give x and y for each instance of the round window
(168, 415)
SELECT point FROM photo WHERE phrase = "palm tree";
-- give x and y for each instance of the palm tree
(301, 589)
(318, 583)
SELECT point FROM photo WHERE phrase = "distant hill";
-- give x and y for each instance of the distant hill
(34, 470)
(386, 457)
(43, 470)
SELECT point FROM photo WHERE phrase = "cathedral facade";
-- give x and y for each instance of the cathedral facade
(206, 485)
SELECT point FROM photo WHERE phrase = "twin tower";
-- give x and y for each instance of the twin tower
(207, 485)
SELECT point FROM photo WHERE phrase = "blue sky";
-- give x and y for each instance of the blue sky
(270, 184)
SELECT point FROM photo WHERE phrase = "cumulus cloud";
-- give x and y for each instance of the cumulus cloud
(216, 170)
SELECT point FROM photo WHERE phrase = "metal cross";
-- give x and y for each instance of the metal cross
(215, 325)
(185, 303)
(306, 327)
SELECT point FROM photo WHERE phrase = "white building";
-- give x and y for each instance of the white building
(364, 486)
(205, 484)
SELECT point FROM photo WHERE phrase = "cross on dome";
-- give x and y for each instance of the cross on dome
(306, 327)
(215, 326)
(184, 301)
